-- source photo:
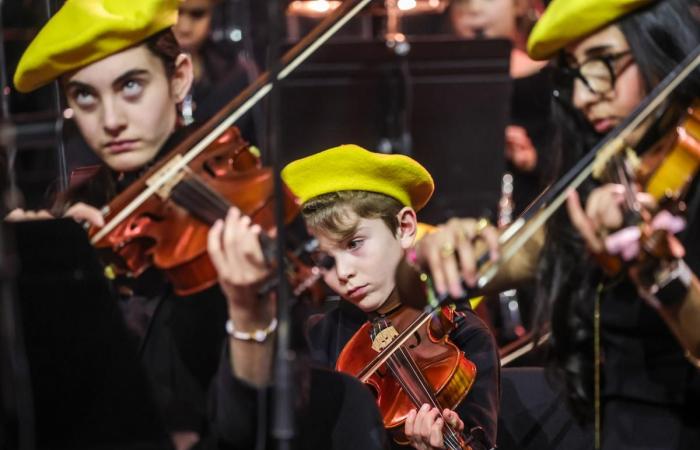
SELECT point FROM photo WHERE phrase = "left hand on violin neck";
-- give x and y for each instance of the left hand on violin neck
(649, 249)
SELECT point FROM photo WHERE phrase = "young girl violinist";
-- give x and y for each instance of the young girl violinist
(123, 76)
(611, 54)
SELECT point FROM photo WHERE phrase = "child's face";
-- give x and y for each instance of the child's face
(125, 105)
(193, 24)
(365, 263)
(484, 18)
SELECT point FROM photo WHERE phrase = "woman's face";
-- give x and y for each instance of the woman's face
(605, 61)
(125, 105)
(484, 18)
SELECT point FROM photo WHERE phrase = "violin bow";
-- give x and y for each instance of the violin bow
(516, 235)
(166, 169)
(519, 232)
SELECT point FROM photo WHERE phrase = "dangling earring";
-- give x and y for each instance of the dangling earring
(186, 110)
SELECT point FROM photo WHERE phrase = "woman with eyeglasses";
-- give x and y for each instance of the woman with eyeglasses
(628, 364)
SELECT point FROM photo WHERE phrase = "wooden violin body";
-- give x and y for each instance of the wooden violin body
(667, 172)
(428, 369)
(169, 230)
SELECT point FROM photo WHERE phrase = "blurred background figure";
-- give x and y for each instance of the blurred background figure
(512, 20)
(491, 19)
(222, 68)
(525, 135)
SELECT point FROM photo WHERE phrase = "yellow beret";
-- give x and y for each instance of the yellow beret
(352, 168)
(566, 21)
(85, 31)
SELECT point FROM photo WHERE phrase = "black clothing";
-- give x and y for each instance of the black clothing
(181, 354)
(226, 72)
(471, 335)
(650, 391)
(530, 109)
(341, 413)
(534, 414)
(180, 338)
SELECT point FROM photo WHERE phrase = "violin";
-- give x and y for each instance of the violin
(427, 368)
(169, 230)
(162, 218)
(665, 172)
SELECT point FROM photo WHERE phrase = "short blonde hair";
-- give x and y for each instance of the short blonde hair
(331, 212)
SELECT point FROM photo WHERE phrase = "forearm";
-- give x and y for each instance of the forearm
(684, 318)
(251, 361)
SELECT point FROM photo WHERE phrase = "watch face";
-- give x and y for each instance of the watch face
(674, 285)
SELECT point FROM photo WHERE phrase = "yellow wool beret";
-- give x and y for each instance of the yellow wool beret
(352, 168)
(566, 21)
(85, 31)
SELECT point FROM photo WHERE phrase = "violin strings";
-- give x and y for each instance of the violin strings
(218, 203)
(193, 199)
(449, 439)
(208, 205)
(202, 201)
(399, 341)
(449, 435)
(393, 366)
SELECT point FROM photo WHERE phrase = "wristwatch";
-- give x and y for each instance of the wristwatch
(672, 283)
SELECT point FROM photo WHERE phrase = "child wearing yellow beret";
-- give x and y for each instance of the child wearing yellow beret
(619, 350)
(361, 206)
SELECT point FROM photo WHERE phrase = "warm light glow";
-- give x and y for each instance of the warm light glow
(312, 7)
(320, 8)
(413, 7)
(318, 5)
(405, 5)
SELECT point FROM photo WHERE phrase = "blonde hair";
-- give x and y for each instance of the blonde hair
(331, 212)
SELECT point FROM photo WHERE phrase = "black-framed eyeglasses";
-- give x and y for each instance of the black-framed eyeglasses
(599, 73)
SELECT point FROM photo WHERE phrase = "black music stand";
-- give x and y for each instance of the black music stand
(445, 103)
(89, 388)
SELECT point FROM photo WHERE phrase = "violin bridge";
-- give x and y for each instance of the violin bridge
(169, 184)
(384, 338)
